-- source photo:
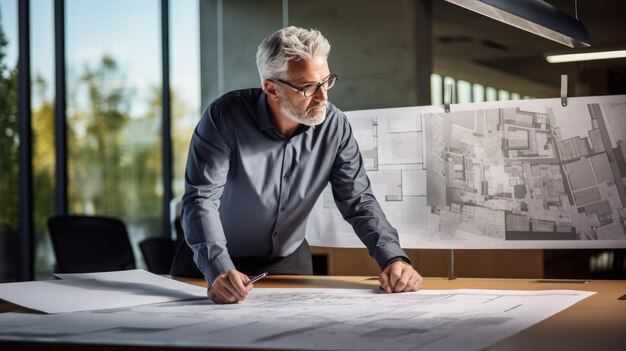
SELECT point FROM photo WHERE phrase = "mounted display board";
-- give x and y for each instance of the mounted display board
(513, 174)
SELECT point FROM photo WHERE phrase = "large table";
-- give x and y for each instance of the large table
(596, 323)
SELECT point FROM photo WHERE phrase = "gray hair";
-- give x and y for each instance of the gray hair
(291, 43)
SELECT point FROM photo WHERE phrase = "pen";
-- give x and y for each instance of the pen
(255, 279)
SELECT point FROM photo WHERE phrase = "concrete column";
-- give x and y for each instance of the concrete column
(381, 50)
(424, 50)
(230, 32)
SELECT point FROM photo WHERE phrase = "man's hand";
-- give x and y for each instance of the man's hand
(228, 287)
(400, 276)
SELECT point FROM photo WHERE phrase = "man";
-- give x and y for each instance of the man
(258, 161)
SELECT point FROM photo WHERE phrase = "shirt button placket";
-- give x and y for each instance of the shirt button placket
(284, 193)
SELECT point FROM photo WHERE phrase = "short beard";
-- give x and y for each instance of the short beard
(308, 117)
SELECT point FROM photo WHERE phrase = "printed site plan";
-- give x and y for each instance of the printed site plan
(516, 174)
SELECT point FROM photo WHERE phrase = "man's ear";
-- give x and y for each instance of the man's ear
(270, 89)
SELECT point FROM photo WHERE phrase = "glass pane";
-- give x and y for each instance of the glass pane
(503, 95)
(465, 91)
(42, 105)
(185, 83)
(436, 89)
(492, 94)
(450, 81)
(478, 93)
(113, 53)
(185, 87)
(9, 142)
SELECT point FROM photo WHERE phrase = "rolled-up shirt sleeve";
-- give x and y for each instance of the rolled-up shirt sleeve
(205, 176)
(356, 202)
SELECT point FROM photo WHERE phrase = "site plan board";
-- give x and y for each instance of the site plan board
(513, 174)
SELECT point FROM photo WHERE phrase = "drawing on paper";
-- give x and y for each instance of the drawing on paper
(391, 145)
(514, 174)
(551, 173)
(314, 319)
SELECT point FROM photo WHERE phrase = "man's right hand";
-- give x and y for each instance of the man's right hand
(228, 287)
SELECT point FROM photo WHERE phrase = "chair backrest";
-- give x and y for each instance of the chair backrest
(158, 254)
(183, 264)
(90, 244)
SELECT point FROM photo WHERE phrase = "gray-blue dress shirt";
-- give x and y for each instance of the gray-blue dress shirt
(249, 190)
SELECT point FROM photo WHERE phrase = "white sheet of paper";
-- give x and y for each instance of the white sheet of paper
(312, 319)
(93, 291)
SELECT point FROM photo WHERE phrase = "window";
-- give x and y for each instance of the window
(436, 89)
(478, 93)
(465, 92)
(492, 94)
(114, 119)
(464, 89)
(185, 83)
(503, 95)
(42, 108)
(9, 141)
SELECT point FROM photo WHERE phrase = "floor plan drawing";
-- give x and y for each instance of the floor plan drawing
(512, 174)
(312, 319)
(391, 145)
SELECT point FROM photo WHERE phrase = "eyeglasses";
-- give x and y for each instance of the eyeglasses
(311, 89)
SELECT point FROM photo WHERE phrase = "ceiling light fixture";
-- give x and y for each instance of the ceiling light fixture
(534, 16)
(586, 56)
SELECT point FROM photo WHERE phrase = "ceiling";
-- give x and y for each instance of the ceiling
(469, 46)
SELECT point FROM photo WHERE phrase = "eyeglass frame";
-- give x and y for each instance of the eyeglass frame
(317, 85)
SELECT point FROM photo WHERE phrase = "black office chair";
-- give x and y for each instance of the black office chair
(183, 264)
(158, 254)
(90, 244)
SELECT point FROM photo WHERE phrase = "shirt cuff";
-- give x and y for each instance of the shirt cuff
(398, 258)
(217, 267)
(385, 253)
(212, 264)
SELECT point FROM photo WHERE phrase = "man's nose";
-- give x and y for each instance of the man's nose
(321, 94)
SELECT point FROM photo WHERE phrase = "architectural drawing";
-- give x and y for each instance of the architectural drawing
(526, 173)
(514, 174)
(391, 144)
(318, 319)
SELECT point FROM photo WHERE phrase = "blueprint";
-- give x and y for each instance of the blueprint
(513, 174)
(319, 319)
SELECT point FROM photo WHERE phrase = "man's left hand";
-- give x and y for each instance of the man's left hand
(400, 276)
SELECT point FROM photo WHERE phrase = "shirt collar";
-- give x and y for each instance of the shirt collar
(265, 119)
(263, 111)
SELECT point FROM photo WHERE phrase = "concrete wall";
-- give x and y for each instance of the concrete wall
(380, 49)
(230, 32)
